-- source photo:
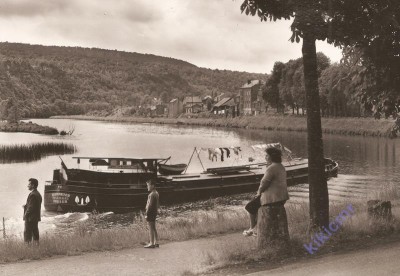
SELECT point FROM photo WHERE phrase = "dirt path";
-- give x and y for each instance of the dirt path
(378, 260)
(173, 258)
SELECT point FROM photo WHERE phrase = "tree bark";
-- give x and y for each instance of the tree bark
(318, 188)
(272, 227)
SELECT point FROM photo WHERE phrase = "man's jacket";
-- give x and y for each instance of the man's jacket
(32, 207)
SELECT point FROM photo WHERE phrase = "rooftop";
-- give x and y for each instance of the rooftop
(251, 83)
(224, 101)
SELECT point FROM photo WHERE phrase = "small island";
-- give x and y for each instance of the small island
(29, 127)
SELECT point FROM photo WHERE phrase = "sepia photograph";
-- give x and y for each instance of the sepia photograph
(199, 137)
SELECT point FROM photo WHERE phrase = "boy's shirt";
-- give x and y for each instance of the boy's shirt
(152, 202)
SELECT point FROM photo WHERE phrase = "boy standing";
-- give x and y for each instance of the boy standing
(151, 213)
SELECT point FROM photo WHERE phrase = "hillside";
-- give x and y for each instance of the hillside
(50, 80)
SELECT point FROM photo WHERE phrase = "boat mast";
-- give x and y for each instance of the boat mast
(198, 156)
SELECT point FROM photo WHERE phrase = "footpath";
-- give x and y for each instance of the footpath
(189, 257)
(175, 258)
(378, 260)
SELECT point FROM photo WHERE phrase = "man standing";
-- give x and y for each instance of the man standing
(32, 212)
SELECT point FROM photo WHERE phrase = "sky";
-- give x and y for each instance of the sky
(208, 33)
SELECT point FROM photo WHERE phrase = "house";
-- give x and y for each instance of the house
(251, 98)
(175, 108)
(227, 106)
(192, 104)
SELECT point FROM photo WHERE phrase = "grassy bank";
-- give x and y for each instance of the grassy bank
(242, 256)
(209, 218)
(87, 238)
(345, 126)
(31, 152)
(27, 127)
(358, 231)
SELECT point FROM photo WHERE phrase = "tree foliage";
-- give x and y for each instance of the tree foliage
(271, 93)
(368, 29)
(369, 26)
(9, 110)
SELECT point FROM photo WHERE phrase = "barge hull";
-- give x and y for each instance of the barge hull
(80, 196)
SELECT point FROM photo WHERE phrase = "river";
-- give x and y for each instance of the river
(366, 164)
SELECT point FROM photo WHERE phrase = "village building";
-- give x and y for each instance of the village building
(219, 97)
(192, 104)
(175, 108)
(251, 101)
(227, 106)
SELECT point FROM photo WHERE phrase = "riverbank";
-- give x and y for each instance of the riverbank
(204, 224)
(27, 127)
(217, 254)
(343, 126)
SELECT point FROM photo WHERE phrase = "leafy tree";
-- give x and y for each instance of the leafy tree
(333, 84)
(164, 97)
(271, 90)
(291, 86)
(368, 25)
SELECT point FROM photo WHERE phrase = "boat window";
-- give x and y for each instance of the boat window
(113, 162)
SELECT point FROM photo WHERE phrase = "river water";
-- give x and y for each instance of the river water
(366, 164)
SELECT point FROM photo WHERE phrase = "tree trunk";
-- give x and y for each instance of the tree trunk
(272, 227)
(319, 198)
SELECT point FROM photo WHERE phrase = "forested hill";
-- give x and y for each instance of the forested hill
(50, 80)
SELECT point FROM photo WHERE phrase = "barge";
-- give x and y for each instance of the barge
(119, 184)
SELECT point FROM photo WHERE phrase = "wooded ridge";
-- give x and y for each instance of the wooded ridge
(51, 80)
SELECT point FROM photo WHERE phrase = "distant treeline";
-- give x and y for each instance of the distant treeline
(45, 81)
(344, 88)
(32, 152)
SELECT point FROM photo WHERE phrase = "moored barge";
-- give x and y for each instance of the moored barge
(119, 184)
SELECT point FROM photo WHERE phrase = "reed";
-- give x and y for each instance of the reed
(31, 152)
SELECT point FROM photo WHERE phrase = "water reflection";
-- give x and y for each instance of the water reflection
(365, 156)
